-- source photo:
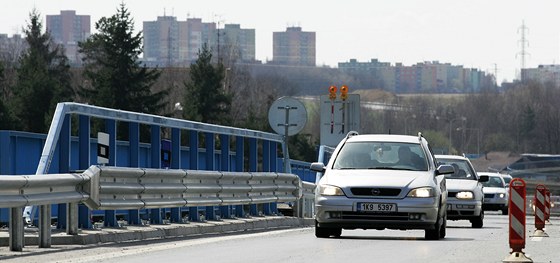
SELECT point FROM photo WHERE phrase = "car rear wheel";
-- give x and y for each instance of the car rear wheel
(323, 232)
(478, 222)
(505, 211)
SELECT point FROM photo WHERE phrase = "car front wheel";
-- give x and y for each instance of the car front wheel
(438, 231)
(478, 222)
(323, 232)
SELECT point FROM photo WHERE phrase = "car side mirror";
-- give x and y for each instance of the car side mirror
(317, 167)
(445, 169)
(483, 178)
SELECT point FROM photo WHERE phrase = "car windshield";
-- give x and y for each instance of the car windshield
(381, 155)
(507, 179)
(494, 181)
(461, 167)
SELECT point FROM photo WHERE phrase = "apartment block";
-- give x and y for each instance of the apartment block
(168, 42)
(294, 47)
(68, 29)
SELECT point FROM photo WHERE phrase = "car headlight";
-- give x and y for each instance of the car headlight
(330, 190)
(421, 192)
(502, 195)
(465, 195)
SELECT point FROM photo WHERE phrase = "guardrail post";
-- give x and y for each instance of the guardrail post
(225, 211)
(253, 161)
(45, 226)
(84, 214)
(239, 167)
(134, 148)
(193, 165)
(63, 166)
(273, 168)
(210, 142)
(16, 230)
(175, 164)
(266, 168)
(110, 219)
(72, 219)
(155, 213)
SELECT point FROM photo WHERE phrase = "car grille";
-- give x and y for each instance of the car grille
(375, 216)
(488, 195)
(372, 191)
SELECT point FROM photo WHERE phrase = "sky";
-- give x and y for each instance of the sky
(482, 34)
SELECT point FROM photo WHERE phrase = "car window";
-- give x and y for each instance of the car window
(461, 167)
(381, 155)
(507, 179)
(494, 181)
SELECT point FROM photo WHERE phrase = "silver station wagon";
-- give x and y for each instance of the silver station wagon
(381, 181)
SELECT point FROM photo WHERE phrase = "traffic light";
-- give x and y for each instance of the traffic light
(332, 92)
(344, 92)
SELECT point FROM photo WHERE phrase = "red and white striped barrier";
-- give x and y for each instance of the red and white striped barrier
(517, 200)
(540, 198)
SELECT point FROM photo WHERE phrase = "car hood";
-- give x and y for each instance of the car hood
(493, 190)
(454, 185)
(378, 178)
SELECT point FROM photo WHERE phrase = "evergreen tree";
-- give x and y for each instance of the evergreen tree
(205, 97)
(43, 79)
(5, 121)
(111, 65)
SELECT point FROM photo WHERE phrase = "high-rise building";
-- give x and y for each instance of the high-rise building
(68, 29)
(168, 42)
(238, 44)
(11, 48)
(294, 47)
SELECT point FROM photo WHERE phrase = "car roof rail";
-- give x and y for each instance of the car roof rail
(351, 133)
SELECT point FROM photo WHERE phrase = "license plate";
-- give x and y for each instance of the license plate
(449, 207)
(377, 207)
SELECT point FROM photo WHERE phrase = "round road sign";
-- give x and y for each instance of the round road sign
(287, 115)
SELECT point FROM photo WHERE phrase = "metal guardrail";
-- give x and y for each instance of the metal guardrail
(112, 188)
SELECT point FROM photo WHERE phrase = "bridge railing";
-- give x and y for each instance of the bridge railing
(240, 150)
(102, 187)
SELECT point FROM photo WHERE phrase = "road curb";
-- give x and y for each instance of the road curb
(138, 233)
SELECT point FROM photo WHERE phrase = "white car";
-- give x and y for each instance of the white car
(381, 181)
(496, 195)
(464, 188)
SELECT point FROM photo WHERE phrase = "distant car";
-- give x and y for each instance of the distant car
(377, 181)
(507, 179)
(464, 187)
(496, 195)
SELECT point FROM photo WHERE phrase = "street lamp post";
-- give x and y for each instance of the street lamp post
(406, 124)
(477, 137)
(451, 131)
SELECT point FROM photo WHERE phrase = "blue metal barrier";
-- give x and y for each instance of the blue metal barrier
(63, 152)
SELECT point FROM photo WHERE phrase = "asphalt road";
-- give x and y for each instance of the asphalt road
(462, 244)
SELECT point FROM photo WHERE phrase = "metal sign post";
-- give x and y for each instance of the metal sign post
(287, 116)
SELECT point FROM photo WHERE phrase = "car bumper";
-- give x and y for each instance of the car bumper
(463, 209)
(342, 212)
(494, 204)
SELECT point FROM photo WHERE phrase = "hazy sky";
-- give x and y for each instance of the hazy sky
(481, 34)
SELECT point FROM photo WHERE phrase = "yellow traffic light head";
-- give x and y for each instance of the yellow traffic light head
(332, 92)
(344, 89)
